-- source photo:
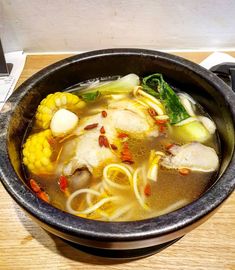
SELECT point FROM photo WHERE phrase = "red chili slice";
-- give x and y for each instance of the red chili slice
(105, 142)
(184, 171)
(122, 135)
(44, 196)
(161, 121)
(91, 126)
(113, 146)
(34, 185)
(102, 130)
(63, 183)
(126, 155)
(104, 114)
(162, 128)
(147, 190)
(152, 112)
(101, 140)
(168, 146)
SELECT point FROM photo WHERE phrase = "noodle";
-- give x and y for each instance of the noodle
(120, 212)
(136, 191)
(89, 209)
(117, 167)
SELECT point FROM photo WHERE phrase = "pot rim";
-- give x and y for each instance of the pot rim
(116, 231)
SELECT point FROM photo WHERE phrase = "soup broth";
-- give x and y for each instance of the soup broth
(115, 155)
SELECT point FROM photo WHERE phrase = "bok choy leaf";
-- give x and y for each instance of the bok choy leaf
(123, 85)
(157, 87)
(90, 96)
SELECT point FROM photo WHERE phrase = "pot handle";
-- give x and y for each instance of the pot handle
(226, 71)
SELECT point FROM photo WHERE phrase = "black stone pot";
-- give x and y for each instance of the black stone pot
(118, 239)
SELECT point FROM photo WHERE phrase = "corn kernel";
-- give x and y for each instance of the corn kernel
(37, 153)
(58, 102)
(45, 161)
(47, 152)
(54, 102)
(30, 166)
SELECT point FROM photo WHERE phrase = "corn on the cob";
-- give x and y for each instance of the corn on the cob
(53, 103)
(37, 152)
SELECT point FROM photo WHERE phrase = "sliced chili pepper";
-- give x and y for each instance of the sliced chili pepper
(39, 191)
(152, 112)
(34, 185)
(168, 146)
(44, 196)
(147, 190)
(113, 146)
(105, 142)
(101, 140)
(104, 114)
(162, 128)
(122, 135)
(63, 183)
(184, 171)
(102, 130)
(91, 126)
(126, 155)
(161, 121)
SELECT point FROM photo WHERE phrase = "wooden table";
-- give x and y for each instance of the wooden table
(24, 245)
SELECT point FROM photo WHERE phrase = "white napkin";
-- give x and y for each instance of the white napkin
(217, 58)
(8, 83)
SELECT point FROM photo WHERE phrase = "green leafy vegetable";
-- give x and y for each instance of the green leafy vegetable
(157, 87)
(150, 90)
(123, 85)
(91, 96)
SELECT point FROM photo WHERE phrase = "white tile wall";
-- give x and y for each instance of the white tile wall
(77, 25)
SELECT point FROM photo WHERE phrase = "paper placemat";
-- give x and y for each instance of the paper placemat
(8, 83)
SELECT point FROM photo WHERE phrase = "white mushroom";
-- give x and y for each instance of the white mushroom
(194, 156)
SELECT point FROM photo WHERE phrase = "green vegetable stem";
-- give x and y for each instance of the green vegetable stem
(124, 85)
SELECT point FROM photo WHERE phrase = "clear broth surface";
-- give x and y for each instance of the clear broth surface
(170, 192)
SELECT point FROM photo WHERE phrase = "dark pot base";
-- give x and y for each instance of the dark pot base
(123, 254)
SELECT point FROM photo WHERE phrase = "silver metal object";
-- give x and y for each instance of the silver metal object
(5, 68)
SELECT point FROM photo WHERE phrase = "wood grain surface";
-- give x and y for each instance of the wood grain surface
(24, 245)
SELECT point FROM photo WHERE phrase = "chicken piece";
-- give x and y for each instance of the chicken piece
(80, 179)
(89, 154)
(130, 105)
(194, 156)
(131, 116)
(129, 121)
